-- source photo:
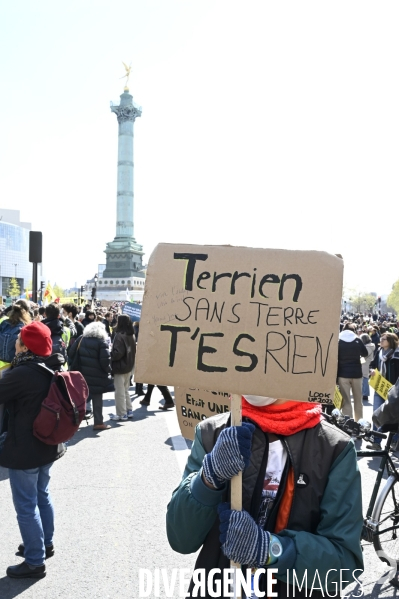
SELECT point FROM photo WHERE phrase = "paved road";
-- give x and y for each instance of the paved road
(110, 492)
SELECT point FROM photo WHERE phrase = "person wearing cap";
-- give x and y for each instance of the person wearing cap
(29, 460)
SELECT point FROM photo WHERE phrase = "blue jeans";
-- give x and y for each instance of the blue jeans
(35, 512)
(365, 386)
(378, 401)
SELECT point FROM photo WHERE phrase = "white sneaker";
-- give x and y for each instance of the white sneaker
(130, 413)
(116, 417)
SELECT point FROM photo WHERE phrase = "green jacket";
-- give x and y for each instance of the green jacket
(325, 520)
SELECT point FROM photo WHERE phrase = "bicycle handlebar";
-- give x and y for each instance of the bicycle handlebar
(361, 429)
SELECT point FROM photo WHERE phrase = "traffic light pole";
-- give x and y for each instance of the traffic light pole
(34, 282)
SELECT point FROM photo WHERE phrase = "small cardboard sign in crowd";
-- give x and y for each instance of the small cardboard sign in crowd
(194, 405)
(242, 320)
(380, 384)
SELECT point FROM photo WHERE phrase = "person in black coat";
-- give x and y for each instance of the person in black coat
(138, 386)
(91, 356)
(387, 362)
(123, 357)
(107, 320)
(350, 351)
(89, 318)
(375, 338)
(53, 322)
(22, 391)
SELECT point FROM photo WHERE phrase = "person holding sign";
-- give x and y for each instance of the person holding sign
(302, 508)
(387, 363)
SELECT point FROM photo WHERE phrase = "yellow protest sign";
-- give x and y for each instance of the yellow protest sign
(337, 398)
(380, 384)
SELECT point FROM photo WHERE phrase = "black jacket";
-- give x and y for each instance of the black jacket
(349, 354)
(107, 326)
(79, 330)
(56, 327)
(391, 366)
(94, 362)
(376, 340)
(123, 353)
(22, 391)
(87, 321)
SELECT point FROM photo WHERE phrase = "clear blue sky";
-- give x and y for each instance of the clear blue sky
(266, 124)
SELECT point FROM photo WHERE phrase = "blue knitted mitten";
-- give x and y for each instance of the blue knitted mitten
(243, 541)
(230, 455)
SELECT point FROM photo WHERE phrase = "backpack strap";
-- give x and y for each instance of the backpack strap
(42, 366)
(81, 339)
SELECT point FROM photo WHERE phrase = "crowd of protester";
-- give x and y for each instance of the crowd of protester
(366, 342)
(97, 341)
(101, 343)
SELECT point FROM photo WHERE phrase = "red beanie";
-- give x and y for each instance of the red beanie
(37, 337)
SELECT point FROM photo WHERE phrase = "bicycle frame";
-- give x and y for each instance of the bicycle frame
(386, 463)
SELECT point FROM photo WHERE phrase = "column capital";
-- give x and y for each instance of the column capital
(126, 113)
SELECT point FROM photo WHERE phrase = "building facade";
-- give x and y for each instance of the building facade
(116, 289)
(14, 251)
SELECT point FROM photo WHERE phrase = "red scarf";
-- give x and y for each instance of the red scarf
(283, 419)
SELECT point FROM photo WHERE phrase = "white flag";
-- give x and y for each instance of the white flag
(127, 294)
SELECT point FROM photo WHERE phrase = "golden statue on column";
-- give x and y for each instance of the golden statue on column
(127, 75)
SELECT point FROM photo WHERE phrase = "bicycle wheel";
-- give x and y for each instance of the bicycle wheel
(386, 514)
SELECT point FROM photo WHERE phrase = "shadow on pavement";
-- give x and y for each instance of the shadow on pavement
(85, 432)
(142, 413)
(10, 587)
(378, 589)
(3, 476)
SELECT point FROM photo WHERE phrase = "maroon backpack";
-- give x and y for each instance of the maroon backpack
(63, 409)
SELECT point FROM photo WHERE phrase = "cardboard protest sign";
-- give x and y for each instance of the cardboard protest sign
(380, 384)
(337, 399)
(194, 405)
(132, 310)
(242, 320)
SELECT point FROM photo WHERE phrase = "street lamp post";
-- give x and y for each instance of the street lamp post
(15, 276)
(94, 291)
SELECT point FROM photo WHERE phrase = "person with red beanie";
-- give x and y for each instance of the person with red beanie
(29, 460)
(301, 492)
